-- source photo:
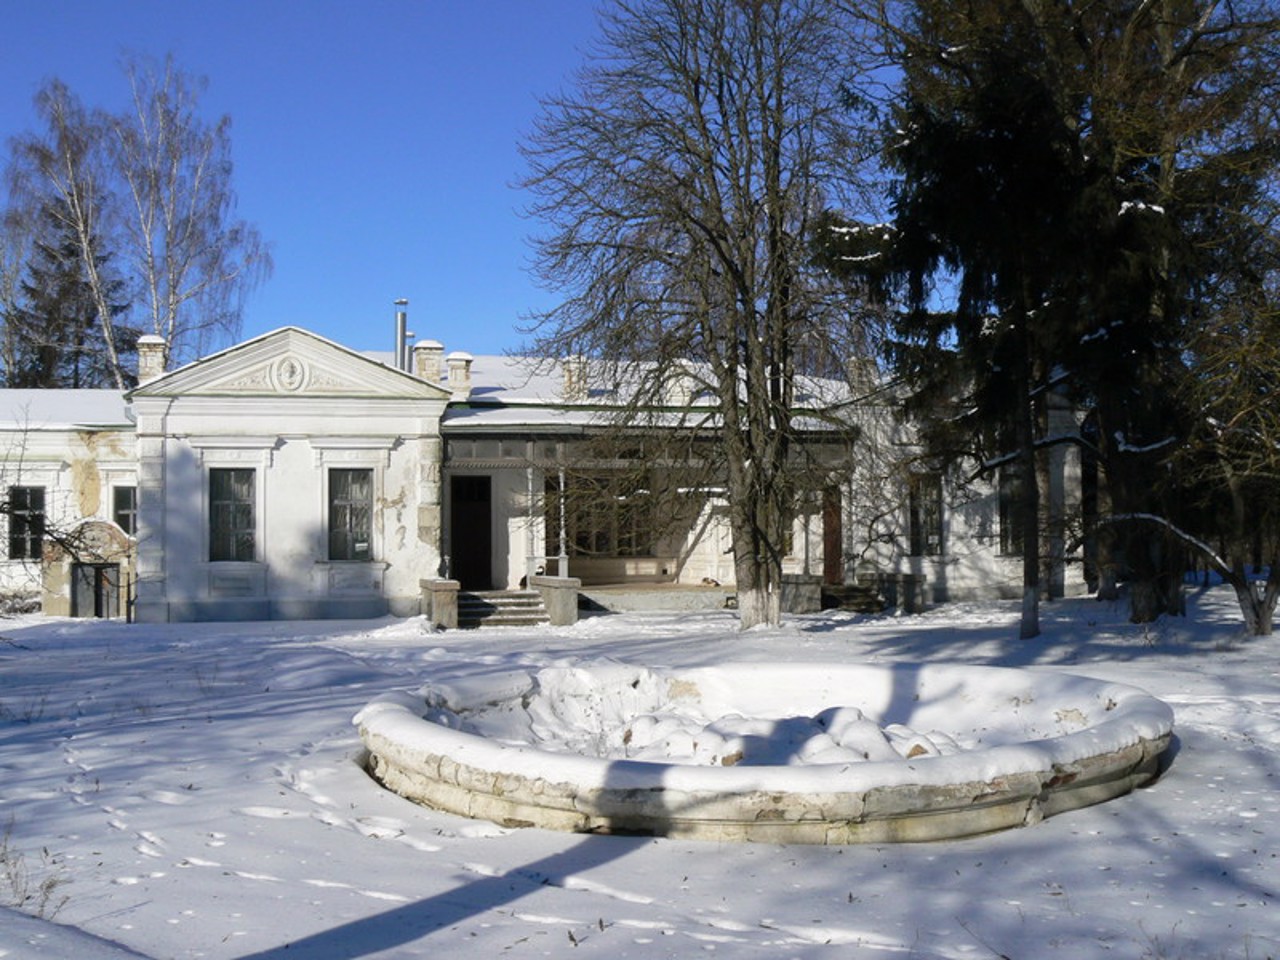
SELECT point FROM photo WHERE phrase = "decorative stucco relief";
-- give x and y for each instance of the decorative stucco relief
(289, 374)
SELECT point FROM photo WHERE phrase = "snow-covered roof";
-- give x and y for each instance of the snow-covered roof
(507, 394)
(513, 392)
(64, 410)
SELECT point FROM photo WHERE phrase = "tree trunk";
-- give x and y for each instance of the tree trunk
(759, 605)
(1108, 588)
(1028, 466)
(759, 583)
(758, 509)
(1144, 601)
(1156, 588)
(1029, 624)
(1049, 519)
(1258, 606)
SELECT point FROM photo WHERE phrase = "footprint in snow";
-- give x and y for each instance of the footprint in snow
(372, 894)
(167, 797)
(265, 813)
(421, 845)
(133, 881)
(380, 828)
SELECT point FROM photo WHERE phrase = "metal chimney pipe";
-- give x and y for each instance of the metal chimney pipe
(401, 351)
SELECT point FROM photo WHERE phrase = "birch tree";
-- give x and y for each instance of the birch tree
(63, 172)
(193, 260)
(149, 191)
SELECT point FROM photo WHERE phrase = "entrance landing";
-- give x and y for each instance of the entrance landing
(654, 597)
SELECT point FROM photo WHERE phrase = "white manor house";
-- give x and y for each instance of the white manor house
(290, 477)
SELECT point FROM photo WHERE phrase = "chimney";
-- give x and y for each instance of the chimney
(863, 375)
(403, 336)
(575, 379)
(681, 385)
(150, 357)
(428, 360)
(460, 374)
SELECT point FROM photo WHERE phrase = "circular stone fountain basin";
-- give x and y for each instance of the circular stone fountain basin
(769, 752)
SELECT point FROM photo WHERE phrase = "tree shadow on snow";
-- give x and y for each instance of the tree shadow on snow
(405, 924)
(620, 834)
(1076, 630)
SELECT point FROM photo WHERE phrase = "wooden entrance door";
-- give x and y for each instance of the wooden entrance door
(471, 531)
(832, 537)
(95, 590)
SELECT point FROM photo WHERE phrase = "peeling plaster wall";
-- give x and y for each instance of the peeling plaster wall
(77, 470)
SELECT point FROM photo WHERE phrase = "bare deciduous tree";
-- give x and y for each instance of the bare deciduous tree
(15, 245)
(1229, 470)
(148, 190)
(681, 185)
(192, 258)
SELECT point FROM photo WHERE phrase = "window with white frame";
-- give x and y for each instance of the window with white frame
(26, 522)
(124, 509)
(1012, 532)
(232, 514)
(605, 516)
(924, 514)
(350, 514)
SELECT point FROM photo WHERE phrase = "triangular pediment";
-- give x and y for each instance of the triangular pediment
(290, 362)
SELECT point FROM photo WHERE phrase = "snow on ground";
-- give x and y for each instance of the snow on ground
(193, 790)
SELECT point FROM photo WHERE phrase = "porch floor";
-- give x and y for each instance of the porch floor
(654, 597)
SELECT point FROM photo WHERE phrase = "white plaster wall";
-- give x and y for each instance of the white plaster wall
(707, 550)
(971, 566)
(293, 521)
(508, 527)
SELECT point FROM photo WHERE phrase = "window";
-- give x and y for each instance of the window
(1011, 526)
(124, 508)
(350, 514)
(924, 515)
(606, 516)
(26, 522)
(232, 520)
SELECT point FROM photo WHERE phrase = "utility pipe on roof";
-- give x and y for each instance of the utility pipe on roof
(403, 336)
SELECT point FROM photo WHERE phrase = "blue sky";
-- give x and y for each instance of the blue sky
(375, 141)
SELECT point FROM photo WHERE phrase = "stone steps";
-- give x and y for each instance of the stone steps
(501, 608)
(859, 598)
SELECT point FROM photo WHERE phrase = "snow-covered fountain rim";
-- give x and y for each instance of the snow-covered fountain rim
(1119, 717)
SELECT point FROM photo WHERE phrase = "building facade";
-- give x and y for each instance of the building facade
(289, 477)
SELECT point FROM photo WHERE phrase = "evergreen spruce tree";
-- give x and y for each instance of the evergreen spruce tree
(54, 332)
(987, 174)
(1081, 179)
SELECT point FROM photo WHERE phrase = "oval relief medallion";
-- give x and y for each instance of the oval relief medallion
(289, 374)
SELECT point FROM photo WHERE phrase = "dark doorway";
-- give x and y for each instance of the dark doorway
(832, 538)
(470, 532)
(95, 590)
